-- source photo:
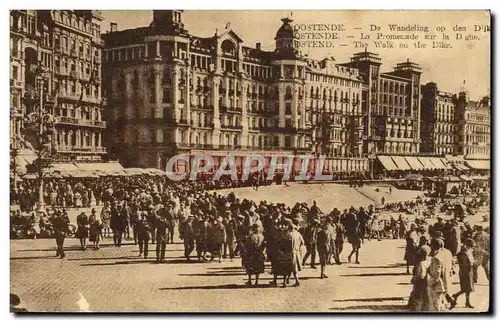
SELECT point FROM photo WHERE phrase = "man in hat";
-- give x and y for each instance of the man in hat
(230, 226)
(143, 234)
(339, 237)
(438, 226)
(61, 229)
(412, 241)
(134, 218)
(187, 234)
(311, 235)
(151, 216)
(161, 237)
(481, 252)
(115, 222)
(324, 243)
(454, 242)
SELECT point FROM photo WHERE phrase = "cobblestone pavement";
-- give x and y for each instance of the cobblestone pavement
(117, 280)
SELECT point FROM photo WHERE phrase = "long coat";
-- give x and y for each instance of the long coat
(465, 261)
(454, 243)
(296, 242)
(437, 281)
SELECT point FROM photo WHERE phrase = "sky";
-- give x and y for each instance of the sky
(467, 61)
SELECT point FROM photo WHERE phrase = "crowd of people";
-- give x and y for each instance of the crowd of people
(439, 252)
(214, 226)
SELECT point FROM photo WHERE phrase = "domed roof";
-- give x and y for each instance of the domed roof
(286, 30)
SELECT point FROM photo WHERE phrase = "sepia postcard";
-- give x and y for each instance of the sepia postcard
(250, 161)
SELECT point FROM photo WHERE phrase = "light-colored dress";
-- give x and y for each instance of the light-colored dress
(297, 241)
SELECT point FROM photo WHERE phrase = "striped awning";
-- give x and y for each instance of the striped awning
(414, 163)
(428, 165)
(460, 166)
(438, 164)
(387, 162)
(401, 163)
(479, 164)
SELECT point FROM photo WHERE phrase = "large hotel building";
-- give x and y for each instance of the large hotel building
(172, 92)
(66, 45)
(150, 93)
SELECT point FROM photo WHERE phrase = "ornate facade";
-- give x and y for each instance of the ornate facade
(67, 44)
(170, 92)
(390, 105)
(439, 121)
(474, 138)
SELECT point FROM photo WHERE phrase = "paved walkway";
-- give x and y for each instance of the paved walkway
(117, 280)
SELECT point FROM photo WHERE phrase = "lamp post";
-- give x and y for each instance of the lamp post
(41, 125)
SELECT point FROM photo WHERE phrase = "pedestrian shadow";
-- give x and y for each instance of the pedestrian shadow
(35, 257)
(100, 258)
(70, 249)
(375, 274)
(386, 266)
(214, 274)
(145, 261)
(385, 308)
(225, 268)
(217, 287)
(373, 299)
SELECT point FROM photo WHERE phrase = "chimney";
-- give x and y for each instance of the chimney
(114, 27)
(257, 45)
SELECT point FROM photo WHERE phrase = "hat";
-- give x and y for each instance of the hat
(470, 242)
(93, 210)
(439, 234)
(425, 249)
(255, 227)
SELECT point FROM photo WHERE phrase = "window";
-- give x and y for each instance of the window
(167, 96)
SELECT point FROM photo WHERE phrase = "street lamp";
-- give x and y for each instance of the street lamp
(41, 125)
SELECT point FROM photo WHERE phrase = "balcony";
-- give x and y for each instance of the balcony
(83, 122)
(16, 83)
(231, 127)
(60, 71)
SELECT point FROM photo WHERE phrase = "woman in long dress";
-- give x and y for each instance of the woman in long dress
(95, 232)
(419, 301)
(254, 259)
(465, 261)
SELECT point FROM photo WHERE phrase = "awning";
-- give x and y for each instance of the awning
(401, 163)
(460, 166)
(414, 177)
(480, 178)
(428, 165)
(437, 163)
(479, 164)
(465, 178)
(63, 167)
(108, 167)
(387, 162)
(450, 179)
(414, 163)
(446, 163)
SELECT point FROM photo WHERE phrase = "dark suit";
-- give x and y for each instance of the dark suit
(61, 228)
(143, 236)
(161, 237)
(187, 234)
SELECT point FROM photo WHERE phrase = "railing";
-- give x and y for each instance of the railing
(76, 121)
